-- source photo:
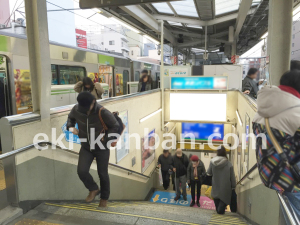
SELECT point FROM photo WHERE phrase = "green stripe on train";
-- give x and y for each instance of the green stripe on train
(3, 44)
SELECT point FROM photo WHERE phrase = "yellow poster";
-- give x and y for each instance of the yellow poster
(119, 84)
(23, 91)
(94, 77)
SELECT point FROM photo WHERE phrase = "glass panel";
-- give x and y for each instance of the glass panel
(54, 75)
(136, 76)
(162, 7)
(185, 8)
(70, 74)
(225, 6)
(125, 80)
(106, 76)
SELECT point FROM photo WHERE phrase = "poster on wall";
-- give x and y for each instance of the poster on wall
(23, 91)
(246, 151)
(94, 77)
(148, 150)
(123, 149)
(119, 84)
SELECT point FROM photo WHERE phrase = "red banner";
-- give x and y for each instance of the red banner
(81, 38)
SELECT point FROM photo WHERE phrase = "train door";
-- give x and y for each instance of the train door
(106, 76)
(125, 80)
(4, 88)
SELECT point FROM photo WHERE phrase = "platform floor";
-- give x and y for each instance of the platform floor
(125, 212)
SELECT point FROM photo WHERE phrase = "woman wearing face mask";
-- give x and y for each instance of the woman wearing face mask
(194, 175)
(88, 85)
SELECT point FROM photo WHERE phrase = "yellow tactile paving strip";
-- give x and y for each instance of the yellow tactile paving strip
(92, 207)
(34, 222)
(226, 219)
(2, 180)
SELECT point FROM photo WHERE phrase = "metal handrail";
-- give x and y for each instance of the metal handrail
(247, 175)
(45, 143)
(288, 210)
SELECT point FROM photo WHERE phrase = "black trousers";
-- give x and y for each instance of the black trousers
(86, 158)
(166, 179)
(220, 206)
(193, 189)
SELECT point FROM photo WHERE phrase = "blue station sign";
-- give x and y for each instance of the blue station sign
(199, 83)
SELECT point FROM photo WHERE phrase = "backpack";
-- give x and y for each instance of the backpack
(120, 130)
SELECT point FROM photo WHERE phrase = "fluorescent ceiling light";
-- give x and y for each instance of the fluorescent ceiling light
(150, 115)
(151, 39)
(126, 25)
(265, 35)
(239, 118)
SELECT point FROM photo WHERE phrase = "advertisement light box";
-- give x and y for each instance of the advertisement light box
(202, 131)
(198, 107)
(199, 83)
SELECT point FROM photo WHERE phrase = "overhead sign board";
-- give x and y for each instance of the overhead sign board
(199, 83)
(88, 4)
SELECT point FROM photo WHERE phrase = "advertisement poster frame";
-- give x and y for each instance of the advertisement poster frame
(146, 162)
(246, 150)
(123, 151)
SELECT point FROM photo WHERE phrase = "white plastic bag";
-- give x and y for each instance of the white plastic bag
(160, 177)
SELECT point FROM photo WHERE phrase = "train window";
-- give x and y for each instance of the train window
(125, 80)
(54, 75)
(137, 76)
(70, 74)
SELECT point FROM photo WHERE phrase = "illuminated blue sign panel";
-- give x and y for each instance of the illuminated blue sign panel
(202, 131)
(199, 83)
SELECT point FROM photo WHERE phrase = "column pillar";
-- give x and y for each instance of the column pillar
(280, 38)
(39, 55)
(162, 75)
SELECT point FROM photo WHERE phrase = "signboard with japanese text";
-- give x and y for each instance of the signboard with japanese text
(199, 83)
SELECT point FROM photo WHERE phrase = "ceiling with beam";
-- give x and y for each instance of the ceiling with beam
(185, 22)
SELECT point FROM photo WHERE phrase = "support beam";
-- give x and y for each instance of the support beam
(187, 34)
(140, 14)
(39, 56)
(245, 6)
(190, 44)
(279, 39)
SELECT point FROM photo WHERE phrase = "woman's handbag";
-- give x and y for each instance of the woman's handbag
(295, 167)
(207, 180)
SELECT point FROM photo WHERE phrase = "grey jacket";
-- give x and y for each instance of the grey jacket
(223, 178)
(200, 168)
(250, 85)
(148, 87)
(92, 121)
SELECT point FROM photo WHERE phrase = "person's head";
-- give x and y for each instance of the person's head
(144, 72)
(190, 156)
(88, 83)
(166, 153)
(222, 152)
(86, 101)
(145, 78)
(295, 65)
(178, 153)
(291, 79)
(252, 73)
(194, 158)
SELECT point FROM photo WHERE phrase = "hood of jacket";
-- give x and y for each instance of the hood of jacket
(219, 161)
(272, 101)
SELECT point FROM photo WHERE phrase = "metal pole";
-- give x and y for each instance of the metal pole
(39, 55)
(162, 75)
